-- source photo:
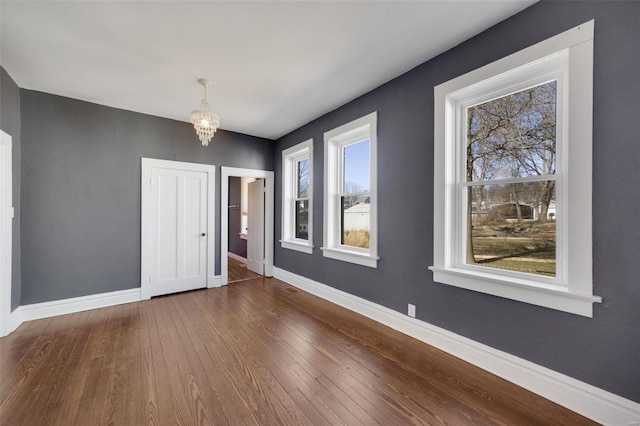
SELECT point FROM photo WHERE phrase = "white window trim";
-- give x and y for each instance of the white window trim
(360, 129)
(290, 157)
(572, 290)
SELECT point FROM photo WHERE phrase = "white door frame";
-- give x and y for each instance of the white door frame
(269, 205)
(6, 216)
(146, 233)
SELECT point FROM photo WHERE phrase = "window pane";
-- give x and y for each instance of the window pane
(303, 178)
(356, 174)
(513, 227)
(513, 136)
(355, 221)
(302, 219)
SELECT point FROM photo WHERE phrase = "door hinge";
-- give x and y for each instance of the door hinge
(149, 279)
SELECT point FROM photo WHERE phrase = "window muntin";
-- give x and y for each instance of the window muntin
(510, 180)
(350, 196)
(567, 60)
(297, 197)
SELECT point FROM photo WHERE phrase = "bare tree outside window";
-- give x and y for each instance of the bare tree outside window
(303, 178)
(510, 168)
(301, 212)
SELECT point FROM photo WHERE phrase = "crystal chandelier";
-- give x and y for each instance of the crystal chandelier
(205, 121)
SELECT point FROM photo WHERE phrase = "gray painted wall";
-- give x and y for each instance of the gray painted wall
(603, 351)
(81, 190)
(10, 123)
(236, 244)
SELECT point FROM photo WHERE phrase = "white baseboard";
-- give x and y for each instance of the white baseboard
(236, 257)
(214, 281)
(84, 303)
(587, 400)
(76, 304)
(15, 319)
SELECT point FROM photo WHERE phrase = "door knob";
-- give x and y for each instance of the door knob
(204, 234)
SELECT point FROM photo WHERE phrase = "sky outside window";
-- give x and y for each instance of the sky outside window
(356, 167)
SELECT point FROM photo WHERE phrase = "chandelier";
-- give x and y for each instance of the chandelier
(205, 122)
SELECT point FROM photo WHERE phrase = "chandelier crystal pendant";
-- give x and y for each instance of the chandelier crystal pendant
(205, 122)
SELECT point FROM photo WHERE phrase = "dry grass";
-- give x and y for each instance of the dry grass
(356, 238)
(527, 248)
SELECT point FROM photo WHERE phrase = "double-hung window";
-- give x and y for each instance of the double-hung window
(512, 172)
(297, 197)
(350, 196)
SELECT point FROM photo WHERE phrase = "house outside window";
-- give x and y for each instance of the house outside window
(297, 197)
(512, 175)
(350, 193)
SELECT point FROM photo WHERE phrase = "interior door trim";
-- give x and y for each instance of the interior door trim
(269, 206)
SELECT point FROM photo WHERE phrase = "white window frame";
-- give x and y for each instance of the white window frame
(568, 59)
(355, 131)
(290, 158)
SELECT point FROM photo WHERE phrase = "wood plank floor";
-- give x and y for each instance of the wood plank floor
(237, 271)
(257, 352)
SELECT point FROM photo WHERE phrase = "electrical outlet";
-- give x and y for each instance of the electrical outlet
(412, 311)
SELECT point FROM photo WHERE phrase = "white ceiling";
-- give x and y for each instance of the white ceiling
(275, 65)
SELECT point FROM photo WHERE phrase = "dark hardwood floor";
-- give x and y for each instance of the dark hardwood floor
(254, 352)
(238, 271)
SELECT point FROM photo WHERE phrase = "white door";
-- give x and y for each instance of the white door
(255, 232)
(179, 230)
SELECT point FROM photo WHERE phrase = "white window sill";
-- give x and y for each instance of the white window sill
(243, 236)
(547, 295)
(358, 258)
(304, 247)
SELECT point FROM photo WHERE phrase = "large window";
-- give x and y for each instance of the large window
(513, 176)
(350, 216)
(297, 197)
(510, 181)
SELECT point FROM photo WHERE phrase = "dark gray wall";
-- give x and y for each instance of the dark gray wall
(81, 190)
(603, 351)
(10, 123)
(236, 244)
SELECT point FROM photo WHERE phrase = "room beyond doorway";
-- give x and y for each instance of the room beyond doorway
(257, 260)
(246, 220)
(238, 271)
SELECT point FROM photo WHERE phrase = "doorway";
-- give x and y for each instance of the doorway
(177, 226)
(246, 224)
(241, 263)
